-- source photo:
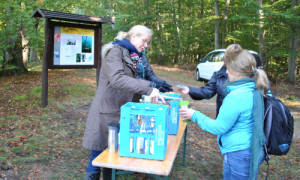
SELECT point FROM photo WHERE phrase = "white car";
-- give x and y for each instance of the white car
(213, 61)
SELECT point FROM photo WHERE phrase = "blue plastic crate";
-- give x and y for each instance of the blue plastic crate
(144, 130)
(173, 100)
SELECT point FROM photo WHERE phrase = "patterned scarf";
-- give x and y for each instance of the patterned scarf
(135, 59)
(134, 54)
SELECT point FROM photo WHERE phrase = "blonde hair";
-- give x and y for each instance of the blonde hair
(137, 30)
(242, 61)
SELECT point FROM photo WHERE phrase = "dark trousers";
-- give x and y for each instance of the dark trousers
(106, 172)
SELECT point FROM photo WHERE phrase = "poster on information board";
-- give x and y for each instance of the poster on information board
(73, 46)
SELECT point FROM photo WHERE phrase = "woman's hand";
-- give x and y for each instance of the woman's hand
(184, 90)
(154, 96)
(186, 114)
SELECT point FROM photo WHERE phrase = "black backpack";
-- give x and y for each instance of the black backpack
(278, 127)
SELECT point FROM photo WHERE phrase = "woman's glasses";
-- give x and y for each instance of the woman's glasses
(145, 41)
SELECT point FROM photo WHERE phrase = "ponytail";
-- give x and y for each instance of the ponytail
(261, 80)
(121, 35)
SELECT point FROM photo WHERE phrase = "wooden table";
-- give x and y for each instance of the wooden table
(153, 168)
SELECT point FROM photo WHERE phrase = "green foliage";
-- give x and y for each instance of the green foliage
(183, 30)
(11, 67)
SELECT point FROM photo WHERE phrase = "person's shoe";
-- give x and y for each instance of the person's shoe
(92, 175)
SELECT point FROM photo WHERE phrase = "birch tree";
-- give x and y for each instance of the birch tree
(217, 25)
(261, 32)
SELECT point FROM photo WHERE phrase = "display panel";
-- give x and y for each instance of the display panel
(73, 46)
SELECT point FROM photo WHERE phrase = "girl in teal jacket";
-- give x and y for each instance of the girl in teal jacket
(239, 124)
(235, 121)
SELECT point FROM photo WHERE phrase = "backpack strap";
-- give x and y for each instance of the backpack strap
(267, 157)
(283, 110)
(267, 170)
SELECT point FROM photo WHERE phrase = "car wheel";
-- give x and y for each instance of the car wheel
(198, 75)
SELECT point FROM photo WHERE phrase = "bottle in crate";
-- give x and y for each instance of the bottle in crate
(173, 100)
(144, 130)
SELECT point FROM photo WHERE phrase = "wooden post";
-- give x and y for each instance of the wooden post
(45, 63)
(98, 40)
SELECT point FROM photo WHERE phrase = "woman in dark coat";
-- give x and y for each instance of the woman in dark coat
(144, 71)
(117, 86)
(213, 86)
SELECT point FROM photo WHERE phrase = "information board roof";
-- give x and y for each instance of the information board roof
(42, 13)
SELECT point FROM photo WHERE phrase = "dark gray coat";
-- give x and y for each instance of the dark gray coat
(117, 86)
(213, 86)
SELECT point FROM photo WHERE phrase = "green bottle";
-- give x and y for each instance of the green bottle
(185, 105)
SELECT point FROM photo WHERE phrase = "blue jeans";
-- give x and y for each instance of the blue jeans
(236, 165)
(90, 167)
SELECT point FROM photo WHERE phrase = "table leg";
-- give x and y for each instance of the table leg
(184, 146)
(184, 150)
(113, 175)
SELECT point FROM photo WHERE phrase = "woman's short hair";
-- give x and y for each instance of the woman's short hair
(138, 30)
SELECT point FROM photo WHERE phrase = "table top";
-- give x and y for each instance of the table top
(163, 168)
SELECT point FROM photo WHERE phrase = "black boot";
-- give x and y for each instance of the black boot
(107, 173)
(92, 175)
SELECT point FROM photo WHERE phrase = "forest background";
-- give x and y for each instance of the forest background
(184, 30)
(45, 143)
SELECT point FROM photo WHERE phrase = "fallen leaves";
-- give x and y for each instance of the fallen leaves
(192, 157)
(81, 169)
(53, 135)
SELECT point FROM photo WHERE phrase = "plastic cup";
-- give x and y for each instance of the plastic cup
(185, 105)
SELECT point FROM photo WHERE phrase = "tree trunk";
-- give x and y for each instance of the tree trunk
(33, 54)
(227, 2)
(261, 33)
(200, 31)
(13, 54)
(293, 50)
(177, 23)
(25, 51)
(202, 8)
(17, 55)
(147, 12)
(217, 25)
(160, 37)
(111, 11)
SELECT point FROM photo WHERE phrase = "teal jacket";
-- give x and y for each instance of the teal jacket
(234, 124)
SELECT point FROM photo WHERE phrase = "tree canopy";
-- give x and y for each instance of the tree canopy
(184, 30)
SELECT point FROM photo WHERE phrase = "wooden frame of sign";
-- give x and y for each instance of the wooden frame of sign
(62, 43)
(72, 41)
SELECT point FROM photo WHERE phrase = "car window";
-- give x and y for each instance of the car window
(218, 57)
(207, 58)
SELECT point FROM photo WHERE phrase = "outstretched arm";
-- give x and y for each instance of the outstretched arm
(205, 92)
